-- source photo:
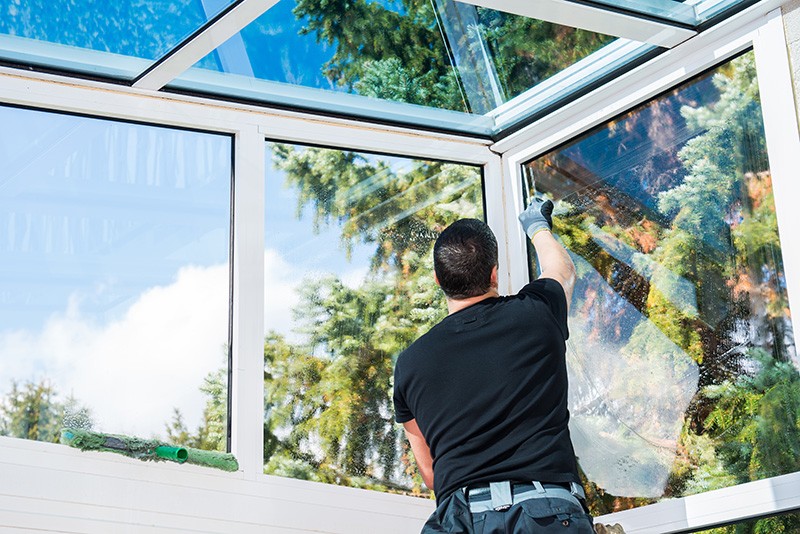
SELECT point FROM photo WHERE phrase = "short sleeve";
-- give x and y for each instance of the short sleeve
(552, 294)
(402, 413)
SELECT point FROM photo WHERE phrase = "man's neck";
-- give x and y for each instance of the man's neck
(455, 305)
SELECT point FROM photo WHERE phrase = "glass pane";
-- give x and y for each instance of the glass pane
(666, 10)
(114, 279)
(116, 38)
(682, 357)
(349, 284)
(780, 523)
(706, 10)
(443, 54)
(526, 52)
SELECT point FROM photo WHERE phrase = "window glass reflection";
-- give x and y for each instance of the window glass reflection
(114, 279)
(145, 29)
(110, 37)
(349, 284)
(684, 376)
(441, 54)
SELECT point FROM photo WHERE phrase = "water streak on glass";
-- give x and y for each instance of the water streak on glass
(349, 285)
(683, 370)
(114, 280)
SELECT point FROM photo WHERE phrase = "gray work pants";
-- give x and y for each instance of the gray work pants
(544, 515)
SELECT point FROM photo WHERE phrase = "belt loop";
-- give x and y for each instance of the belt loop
(502, 499)
(539, 487)
(577, 490)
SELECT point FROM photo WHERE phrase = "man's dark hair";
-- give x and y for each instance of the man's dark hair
(463, 257)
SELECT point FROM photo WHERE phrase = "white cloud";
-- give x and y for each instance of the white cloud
(134, 370)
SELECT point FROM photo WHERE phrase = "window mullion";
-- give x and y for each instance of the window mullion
(248, 301)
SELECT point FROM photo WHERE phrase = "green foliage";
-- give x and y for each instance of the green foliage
(212, 432)
(723, 237)
(397, 52)
(400, 212)
(527, 51)
(389, 79)
(701, 469)
(372, 40)
(756, 419)
(328, 404)
(33, 411)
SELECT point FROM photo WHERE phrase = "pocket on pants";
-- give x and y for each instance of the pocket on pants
(554, 515)
(451, 516)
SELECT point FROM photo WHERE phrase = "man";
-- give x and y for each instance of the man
(483, 394)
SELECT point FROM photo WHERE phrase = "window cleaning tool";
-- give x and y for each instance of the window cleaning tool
(146, 449)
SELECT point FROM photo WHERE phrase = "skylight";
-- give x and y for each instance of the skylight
(478, 67)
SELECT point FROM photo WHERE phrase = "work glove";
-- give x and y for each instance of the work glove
(537, 216)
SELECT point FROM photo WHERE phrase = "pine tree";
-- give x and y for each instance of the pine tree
(33, 411)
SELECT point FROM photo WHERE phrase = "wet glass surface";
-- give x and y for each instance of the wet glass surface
(684, 375)
(349, 284)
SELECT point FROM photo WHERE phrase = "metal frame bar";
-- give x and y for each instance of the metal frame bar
(636, 86)
(783, 144)
(595, 19)
(667, 11)
(761, 498)
(202, 43)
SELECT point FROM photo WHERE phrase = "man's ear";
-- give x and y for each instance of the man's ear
(493, 279)
(436, 279)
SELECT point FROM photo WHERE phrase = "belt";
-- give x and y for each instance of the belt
(500, 496)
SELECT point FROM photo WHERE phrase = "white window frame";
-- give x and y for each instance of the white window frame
(764, 33)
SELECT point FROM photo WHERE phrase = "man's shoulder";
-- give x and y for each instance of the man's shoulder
(549, 294)
(543, 287)
(420, 346)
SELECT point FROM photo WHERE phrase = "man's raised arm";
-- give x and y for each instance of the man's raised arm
(554, 261)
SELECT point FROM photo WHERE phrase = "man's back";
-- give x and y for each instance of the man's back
(488, 389)
(483, 395)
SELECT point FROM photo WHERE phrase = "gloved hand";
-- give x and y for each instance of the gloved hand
(537, 216)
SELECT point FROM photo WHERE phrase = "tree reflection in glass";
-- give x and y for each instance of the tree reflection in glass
(349, 276)
(683, 368)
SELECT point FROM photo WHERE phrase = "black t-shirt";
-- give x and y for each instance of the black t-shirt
(488, 388)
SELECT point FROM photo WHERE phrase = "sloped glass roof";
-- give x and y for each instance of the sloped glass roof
(117, 39)
(478, 67)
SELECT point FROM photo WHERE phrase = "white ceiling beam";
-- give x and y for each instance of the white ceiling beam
(593, 19)
(203, 43)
